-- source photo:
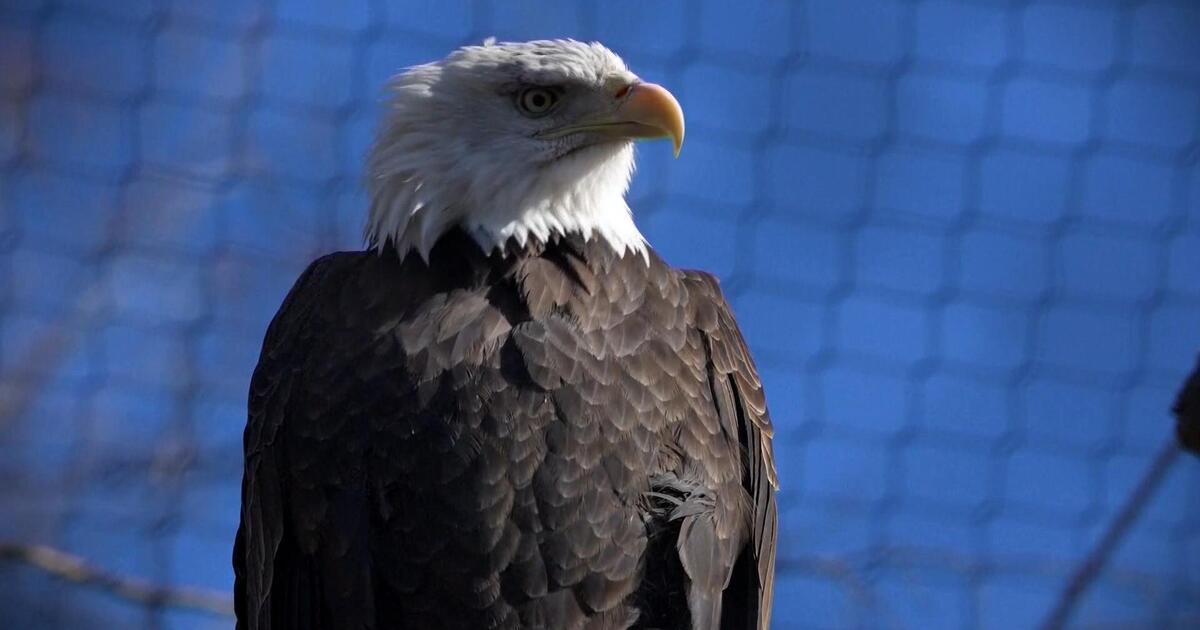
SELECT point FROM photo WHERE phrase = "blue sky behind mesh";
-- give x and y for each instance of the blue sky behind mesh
(963, 239)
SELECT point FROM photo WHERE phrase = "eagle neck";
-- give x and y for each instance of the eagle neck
(581, 194)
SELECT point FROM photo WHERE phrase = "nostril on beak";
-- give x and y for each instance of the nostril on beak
(623, 91)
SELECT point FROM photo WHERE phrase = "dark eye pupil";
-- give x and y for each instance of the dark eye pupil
(539, 100)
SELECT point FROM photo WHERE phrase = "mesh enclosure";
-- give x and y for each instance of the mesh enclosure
(963, 239)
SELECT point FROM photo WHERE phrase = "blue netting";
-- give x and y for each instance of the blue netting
(962, 238)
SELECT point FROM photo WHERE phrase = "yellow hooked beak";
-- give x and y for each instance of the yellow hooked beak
(645, 111)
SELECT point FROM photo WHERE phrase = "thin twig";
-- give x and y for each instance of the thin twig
(79, 571)
(1143, 582)
(839, 570)
(48, 352)
(1094, 562)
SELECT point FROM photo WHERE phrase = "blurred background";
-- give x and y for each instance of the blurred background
(963, 239)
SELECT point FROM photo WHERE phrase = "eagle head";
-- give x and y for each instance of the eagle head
(514, 141)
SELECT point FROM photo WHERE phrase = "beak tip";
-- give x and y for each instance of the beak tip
(652, 105)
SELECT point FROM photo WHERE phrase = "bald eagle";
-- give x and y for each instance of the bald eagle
(508, 412)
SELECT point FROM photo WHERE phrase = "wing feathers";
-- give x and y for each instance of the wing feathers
(735, 377)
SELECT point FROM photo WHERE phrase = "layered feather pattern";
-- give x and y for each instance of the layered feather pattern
(556, 436)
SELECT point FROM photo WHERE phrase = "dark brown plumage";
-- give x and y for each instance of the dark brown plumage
(555, 438)
(1187, 412)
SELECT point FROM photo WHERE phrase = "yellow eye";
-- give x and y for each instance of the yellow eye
(536, 101)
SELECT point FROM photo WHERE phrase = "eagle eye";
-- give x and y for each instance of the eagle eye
(537, 101)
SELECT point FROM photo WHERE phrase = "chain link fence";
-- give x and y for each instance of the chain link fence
(963, 239)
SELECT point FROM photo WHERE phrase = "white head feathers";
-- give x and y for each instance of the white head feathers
(459, 145)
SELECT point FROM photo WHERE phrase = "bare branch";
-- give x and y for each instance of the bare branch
(49, 351)
(55, 346)
(79, 571)
(1094, 562)
(836, 569)
(852, 577)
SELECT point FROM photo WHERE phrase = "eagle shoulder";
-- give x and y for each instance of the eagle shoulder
(1187, 412)
(267, 593)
